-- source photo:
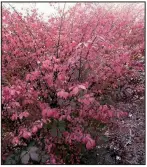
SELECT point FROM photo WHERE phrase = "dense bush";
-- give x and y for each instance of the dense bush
(55, 74)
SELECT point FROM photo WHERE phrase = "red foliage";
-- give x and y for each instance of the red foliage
(48, 70)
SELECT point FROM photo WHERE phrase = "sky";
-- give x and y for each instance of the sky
(48, 10)
(42, 7)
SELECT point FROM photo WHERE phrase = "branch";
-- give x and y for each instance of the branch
(58, 43)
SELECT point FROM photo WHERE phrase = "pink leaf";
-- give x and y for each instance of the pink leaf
(49, 79)
(15, 140)
(34, 129)
(39, 126)
(28, 77)
(69, 118)
(26, 114)
(14, 117)
(87, 100)
(61, 77)
(73, 44)
(75, 91)
(50, 113)
(84, 101)
(20, 115)
(26, 135)
(90, 144)
(45, 64)
(56, 115)
(82, 87)
(110, 113)
(44, 112)
(122, 114)
(63, 94)
(49, 147)
(15, 104)
(35, 75)
(12, 92)
(86, 138)
(118, 69)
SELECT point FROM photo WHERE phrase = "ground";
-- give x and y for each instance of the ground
(125, 138)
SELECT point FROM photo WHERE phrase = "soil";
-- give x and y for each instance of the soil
(126, 138)
(131, 133)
